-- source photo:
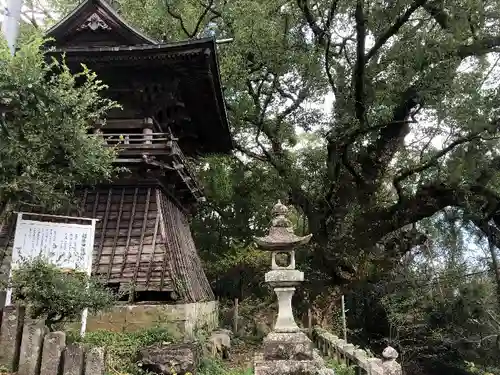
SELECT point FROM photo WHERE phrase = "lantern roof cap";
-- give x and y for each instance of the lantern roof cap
(281, 236)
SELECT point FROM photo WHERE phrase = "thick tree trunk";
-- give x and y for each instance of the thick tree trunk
(494, 262)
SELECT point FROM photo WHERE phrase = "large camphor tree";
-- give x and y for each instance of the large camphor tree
(412, 128)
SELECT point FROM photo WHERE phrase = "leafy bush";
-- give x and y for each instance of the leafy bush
(340, 368)
(50, 293)
(46, 151)
(122, 347)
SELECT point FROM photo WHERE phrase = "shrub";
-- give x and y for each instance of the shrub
(122, 347)
(54, 295)
(340, 368)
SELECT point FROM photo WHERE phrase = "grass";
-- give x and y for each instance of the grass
(214, 366)
(122, 347)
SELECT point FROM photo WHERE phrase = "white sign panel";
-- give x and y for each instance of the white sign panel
(67, 246)
(64, 245)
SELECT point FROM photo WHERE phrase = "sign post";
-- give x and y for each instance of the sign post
(67, 246)
(10, 24)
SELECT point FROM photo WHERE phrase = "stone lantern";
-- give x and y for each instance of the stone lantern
(281, 242)
(286, 349)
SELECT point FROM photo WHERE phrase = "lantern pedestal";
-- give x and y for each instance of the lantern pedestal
(283, 282)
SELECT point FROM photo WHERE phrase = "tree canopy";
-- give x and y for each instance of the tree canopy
(413, 127)
(45, 114)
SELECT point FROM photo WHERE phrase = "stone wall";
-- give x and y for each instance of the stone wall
(184, 318)
(27, 348)
(334, 347)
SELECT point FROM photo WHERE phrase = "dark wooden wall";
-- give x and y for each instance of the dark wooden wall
(143, 241)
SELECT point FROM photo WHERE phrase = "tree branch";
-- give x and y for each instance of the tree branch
(359, 68)
(206, 8)
(393, 30)
(390, 137)
(249, 153)
(401, 175)
(436, 10)
(319, 33)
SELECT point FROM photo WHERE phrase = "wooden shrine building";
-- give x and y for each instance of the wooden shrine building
(173, 110)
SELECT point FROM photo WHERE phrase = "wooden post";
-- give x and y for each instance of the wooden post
(235, 316)
(344, 324)
(309, 321)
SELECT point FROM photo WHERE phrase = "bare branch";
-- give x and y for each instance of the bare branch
(327, 66)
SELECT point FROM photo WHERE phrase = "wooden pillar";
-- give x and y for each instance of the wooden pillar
(98, 126)
(147, 130)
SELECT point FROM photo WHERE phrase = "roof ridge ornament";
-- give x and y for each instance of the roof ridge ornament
(94, 22)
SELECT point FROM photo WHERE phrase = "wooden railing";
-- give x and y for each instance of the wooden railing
(153, 144)
(333, 347)
(27, 348)
(124, 140)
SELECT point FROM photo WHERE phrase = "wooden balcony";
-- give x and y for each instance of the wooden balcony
(155, 149)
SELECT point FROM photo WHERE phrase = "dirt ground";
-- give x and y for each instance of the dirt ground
(242, 354)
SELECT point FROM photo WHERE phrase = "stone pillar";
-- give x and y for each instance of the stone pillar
(95, 361)
(11, 329)
(389, 364)
(73, 360)
(31, 347)
(53, 346)
(285, 321)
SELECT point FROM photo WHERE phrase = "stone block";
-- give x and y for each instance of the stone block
(53, 347)
(11, 329)
(284, 276)
(95, 361)
(73, 360)
(170, 358)
(287, 346)
(31, 348)
(286, 367)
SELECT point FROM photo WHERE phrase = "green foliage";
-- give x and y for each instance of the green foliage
(340, 368)
(56, 296)
(214, 366)
(474, 370)
(45, 150)
(122, 347)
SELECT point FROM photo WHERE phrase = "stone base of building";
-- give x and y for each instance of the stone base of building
(184, 319)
